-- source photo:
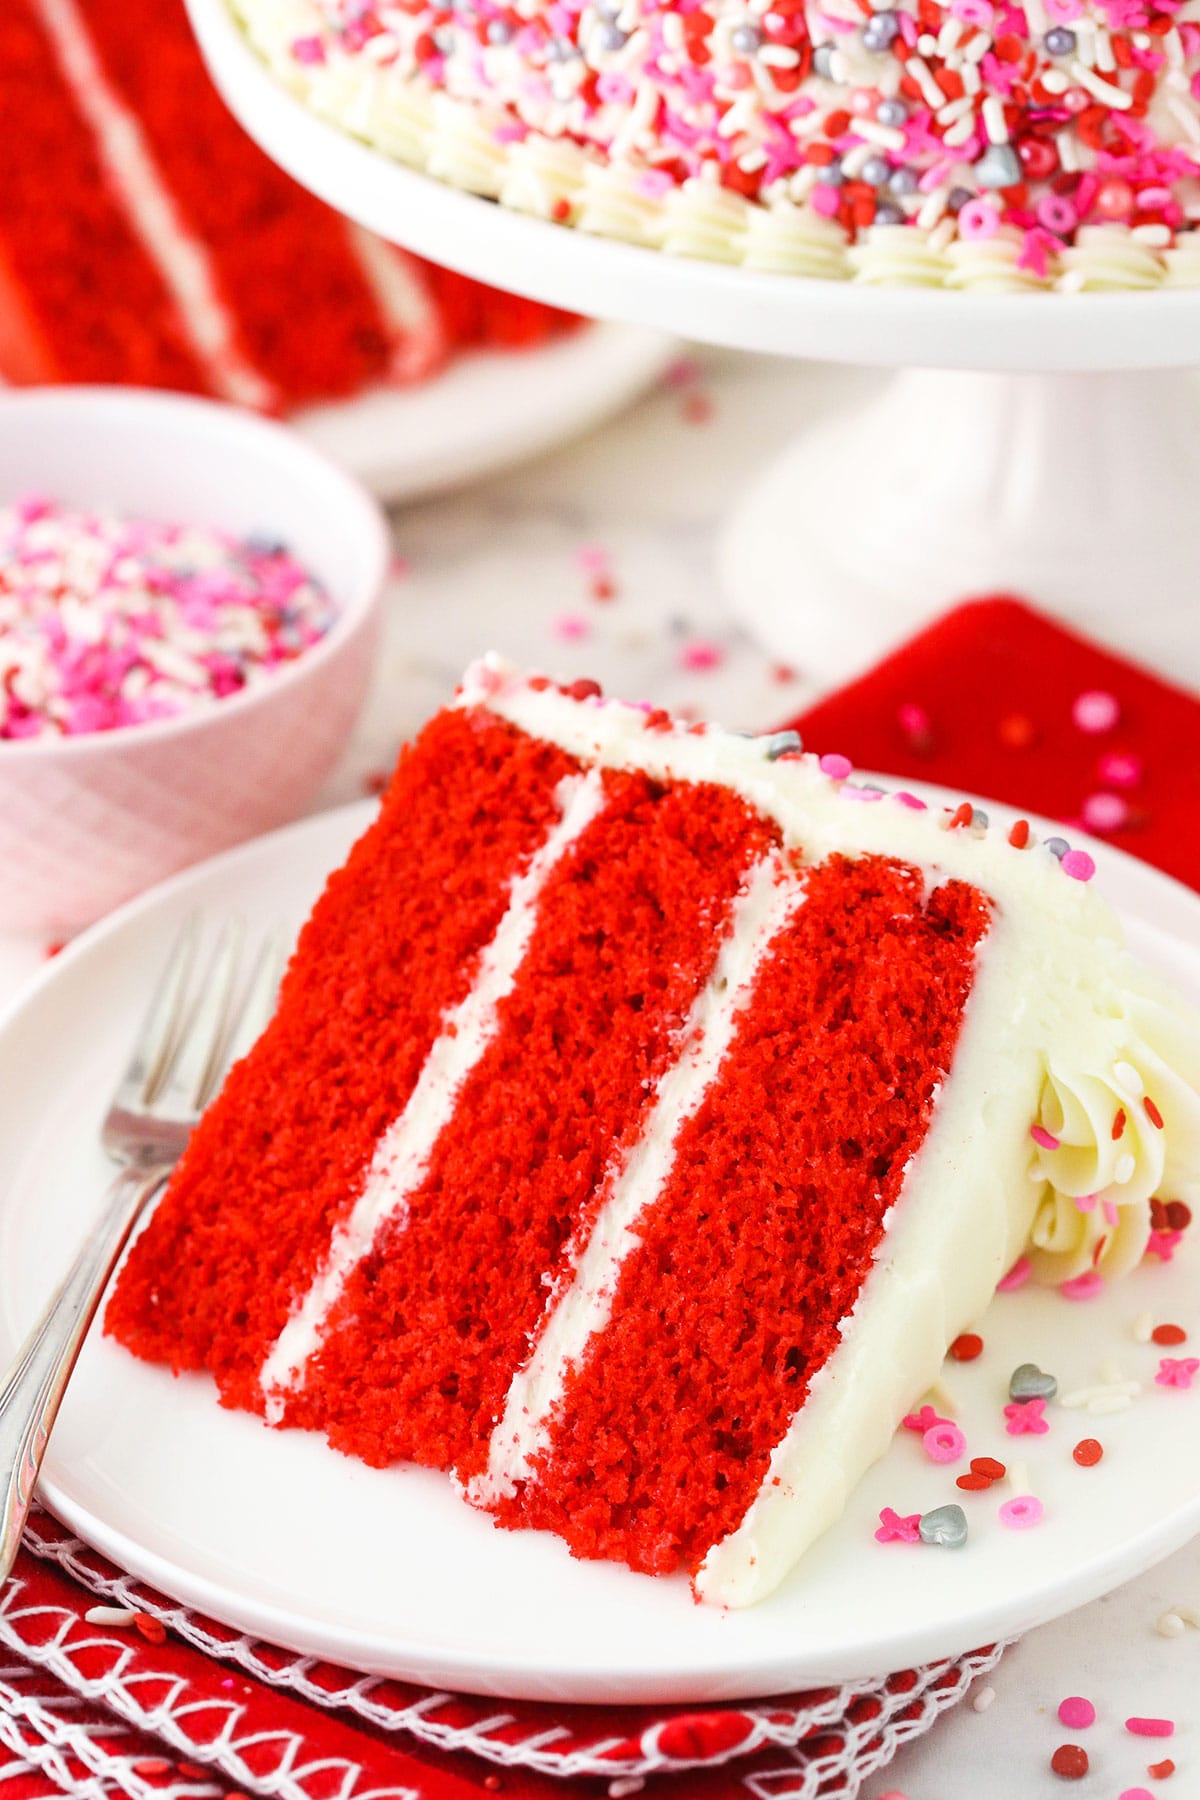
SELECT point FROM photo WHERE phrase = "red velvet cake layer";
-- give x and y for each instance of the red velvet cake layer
(768, 1225)
(281, 1155)
(305, 314)
(80, 299)
(436, 1321)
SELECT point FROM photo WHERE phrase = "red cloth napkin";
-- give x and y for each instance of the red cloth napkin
(176, 1707)
(985, 699)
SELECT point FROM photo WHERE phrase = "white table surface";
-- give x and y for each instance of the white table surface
(499, 566)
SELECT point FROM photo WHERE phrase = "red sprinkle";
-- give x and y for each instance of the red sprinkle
(974, 1484)
(963, 816)
(1179, 1215)
(1070, 1761)
(1168, 1334)
(1018, 837)
(1151, 1727)
(1161, 1770)
(966, 1347)
(1088, 1452)
(1152, 1112)
(152, 1629)
(987, 1465)
(1118, 1124)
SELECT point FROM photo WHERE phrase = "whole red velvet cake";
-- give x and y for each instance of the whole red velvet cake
(646, 1110)
(145, 239)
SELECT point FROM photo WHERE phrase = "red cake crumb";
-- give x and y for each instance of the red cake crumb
(660, 1442)
(280, 1156)
(433, 1325)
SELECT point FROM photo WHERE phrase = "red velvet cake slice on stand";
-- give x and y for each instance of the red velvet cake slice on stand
(647, 1110)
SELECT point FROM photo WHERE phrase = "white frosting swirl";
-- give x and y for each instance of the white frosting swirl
(1116, 1129)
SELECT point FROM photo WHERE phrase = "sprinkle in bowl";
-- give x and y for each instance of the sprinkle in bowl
(89, 817)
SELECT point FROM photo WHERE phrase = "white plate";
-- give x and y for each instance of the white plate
(389, 1571)
(490, 408)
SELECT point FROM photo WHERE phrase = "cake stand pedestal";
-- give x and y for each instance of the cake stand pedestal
(1037, 443)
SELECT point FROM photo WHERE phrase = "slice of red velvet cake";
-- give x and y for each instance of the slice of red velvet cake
(646, 1111)
(145, 239)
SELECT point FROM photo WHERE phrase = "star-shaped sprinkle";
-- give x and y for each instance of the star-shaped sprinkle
(1026, 1417)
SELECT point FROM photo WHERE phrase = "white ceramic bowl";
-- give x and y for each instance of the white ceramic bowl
(86, 822)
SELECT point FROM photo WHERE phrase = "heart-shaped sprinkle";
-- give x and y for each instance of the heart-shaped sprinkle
(974, 1484)
(987, 1465)
(945, 1526)
(1028, 1382)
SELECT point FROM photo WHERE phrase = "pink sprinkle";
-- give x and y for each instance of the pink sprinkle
(1120, 768)
(1083, 1287)
(1016, 1278)
(1078, 865)
(826, 200)
(1043, 1138)
(1086, 1203)
(924, 1420)
(1151, 1727)
(569, 627)
(1076, 1713)
(308, 50)
(978, 220)
(1025, 1418)
(1135, 1794)
(895, 1528)
(1163, 1244)
(1057, 214)
(1095, 711)
(839, 767)
(701, 653)
(593, 559)
(1022, 1513)
(944, 1443)
(1177, 1371)
(912, 801)
(1105, 812)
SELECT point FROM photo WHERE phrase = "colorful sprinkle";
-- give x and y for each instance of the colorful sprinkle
(1018, 837)
(967, 1346)
(1095, 711)
(1168, 1335)
(944, 1443)
(1088, 1452)
(1070, 1761)
(1016, 1277)
(1045, 1140)
(1083, 1287)
(1078, 865)
(835, 766)
(1161, 1770)
(1076, 1713)
(1177, 1371)
(1155, 1728)
(1025, 1418)
(897, 1528)
(1022, 1513)
(701, 654)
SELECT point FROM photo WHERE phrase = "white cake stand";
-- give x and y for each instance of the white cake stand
(1040, 443)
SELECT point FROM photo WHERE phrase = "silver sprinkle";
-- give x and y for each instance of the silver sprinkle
(1028, 1382)
(945, 1526)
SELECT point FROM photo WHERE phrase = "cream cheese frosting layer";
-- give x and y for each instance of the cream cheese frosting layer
(1073, 1080)
(980, 144)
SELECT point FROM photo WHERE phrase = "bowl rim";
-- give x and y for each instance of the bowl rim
(355, 612)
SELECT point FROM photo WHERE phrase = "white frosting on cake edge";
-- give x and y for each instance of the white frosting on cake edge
(456, 141)
(1059, 1014)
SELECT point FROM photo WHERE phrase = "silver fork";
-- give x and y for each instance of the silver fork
(192, 1034)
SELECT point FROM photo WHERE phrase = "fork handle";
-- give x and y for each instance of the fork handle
(35, 1383)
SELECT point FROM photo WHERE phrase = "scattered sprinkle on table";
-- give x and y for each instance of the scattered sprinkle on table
(1156, 1728)
(1088, 1452)
(1076, 1713)
(1070, 1761)
(1161, 1770)
(966, 1347)
(108, 622)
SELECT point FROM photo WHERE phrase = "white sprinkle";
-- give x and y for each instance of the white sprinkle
(888, 136)
(109, 1615)
(1169, 1625)
(1105, 60)
(1129, 1079)
(949, 35)
(1103, 1404)
(1103, 90)
(779, 56)
(626, 1785)
(1110, 1397)
(1018, 1477)
(977, 49)
(955, 110)
(1054, 81)
(983, 1699)
(934, 207)
(1111, 1370)
(993, 119)
(927, 44)
(1143, 1328)
(1068, 151)
(958, 134)
(1158, 237)
(923, 77)
(972, 80)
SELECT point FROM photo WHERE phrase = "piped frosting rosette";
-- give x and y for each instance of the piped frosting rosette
(1115, 1131)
